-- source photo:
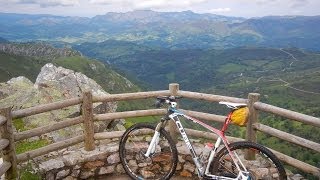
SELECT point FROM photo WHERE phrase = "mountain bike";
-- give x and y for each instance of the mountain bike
(148, 152)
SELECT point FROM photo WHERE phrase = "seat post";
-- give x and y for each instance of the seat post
(227, 122)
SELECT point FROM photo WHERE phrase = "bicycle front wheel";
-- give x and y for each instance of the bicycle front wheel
(161, 163)
(263, 165)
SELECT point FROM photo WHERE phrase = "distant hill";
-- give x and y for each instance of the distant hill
(111, 49)
(174, 30)
(200, 69)
(26, 59)
(285, 31)
(2, 40)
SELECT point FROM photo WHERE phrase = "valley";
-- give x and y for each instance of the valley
(275, 56)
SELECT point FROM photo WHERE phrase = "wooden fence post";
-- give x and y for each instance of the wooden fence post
(87, 115)
(251, 133)
(9, 153)
(173, 88)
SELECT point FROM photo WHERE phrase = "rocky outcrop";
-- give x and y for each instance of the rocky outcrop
(67, 84)
(53, 84)
(42, 50)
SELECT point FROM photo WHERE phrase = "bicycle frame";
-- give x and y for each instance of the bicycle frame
(203, 171)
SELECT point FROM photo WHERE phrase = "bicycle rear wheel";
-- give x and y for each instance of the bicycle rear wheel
(134, 144)
(265, 165)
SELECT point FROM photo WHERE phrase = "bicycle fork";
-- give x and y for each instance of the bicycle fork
(154, 141)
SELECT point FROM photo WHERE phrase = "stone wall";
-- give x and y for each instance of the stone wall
(82, 164)
(76, 163)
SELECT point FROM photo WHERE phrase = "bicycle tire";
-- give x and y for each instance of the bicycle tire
(265, 166)
(161, 165)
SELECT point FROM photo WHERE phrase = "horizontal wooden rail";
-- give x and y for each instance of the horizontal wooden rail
(108, 135)
(205, 116)
(130, 96)
(52, 147)
(190, 132)
(4, 143)
(2, 120)
(127, 114)
(45, 129)
(287, 137)
(210, 97)
(46, 107)
(209, 135)
(173, 90)
(156, 112)
(297, 164)
(4, 167)
(288, 114)
(117, 134)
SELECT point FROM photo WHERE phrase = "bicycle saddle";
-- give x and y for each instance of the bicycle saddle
(233, 105)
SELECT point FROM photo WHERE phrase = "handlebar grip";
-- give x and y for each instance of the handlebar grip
(166, 99)
(158, 103)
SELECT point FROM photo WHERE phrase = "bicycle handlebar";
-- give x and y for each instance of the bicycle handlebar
(166, 100)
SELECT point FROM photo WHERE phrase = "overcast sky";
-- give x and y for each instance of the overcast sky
(89, 8)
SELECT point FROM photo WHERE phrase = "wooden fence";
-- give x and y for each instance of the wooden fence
(8, 138)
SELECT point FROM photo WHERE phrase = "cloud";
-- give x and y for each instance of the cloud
(151, 4)
(299, 3)
(110, 1)
(219, 10)
(289, 3)
(167, 3)
(48, 3)
(263, 2)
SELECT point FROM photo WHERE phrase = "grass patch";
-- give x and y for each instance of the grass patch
(274, 65)
(233, 68)
(27, 173)
(135, 120)
(25, 146)
(255, 63)
(19, 124)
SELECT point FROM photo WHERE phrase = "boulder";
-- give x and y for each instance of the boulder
(53, 84)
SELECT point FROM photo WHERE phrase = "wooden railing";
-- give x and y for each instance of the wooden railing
(87, 117)
(9, 165)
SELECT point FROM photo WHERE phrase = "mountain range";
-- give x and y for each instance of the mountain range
(174, 30)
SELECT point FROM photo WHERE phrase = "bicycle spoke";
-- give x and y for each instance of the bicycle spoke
(160, 164)
(264, 166)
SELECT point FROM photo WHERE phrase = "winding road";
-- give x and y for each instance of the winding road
(287, 84)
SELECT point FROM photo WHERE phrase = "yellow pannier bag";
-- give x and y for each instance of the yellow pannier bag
(240, 116)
